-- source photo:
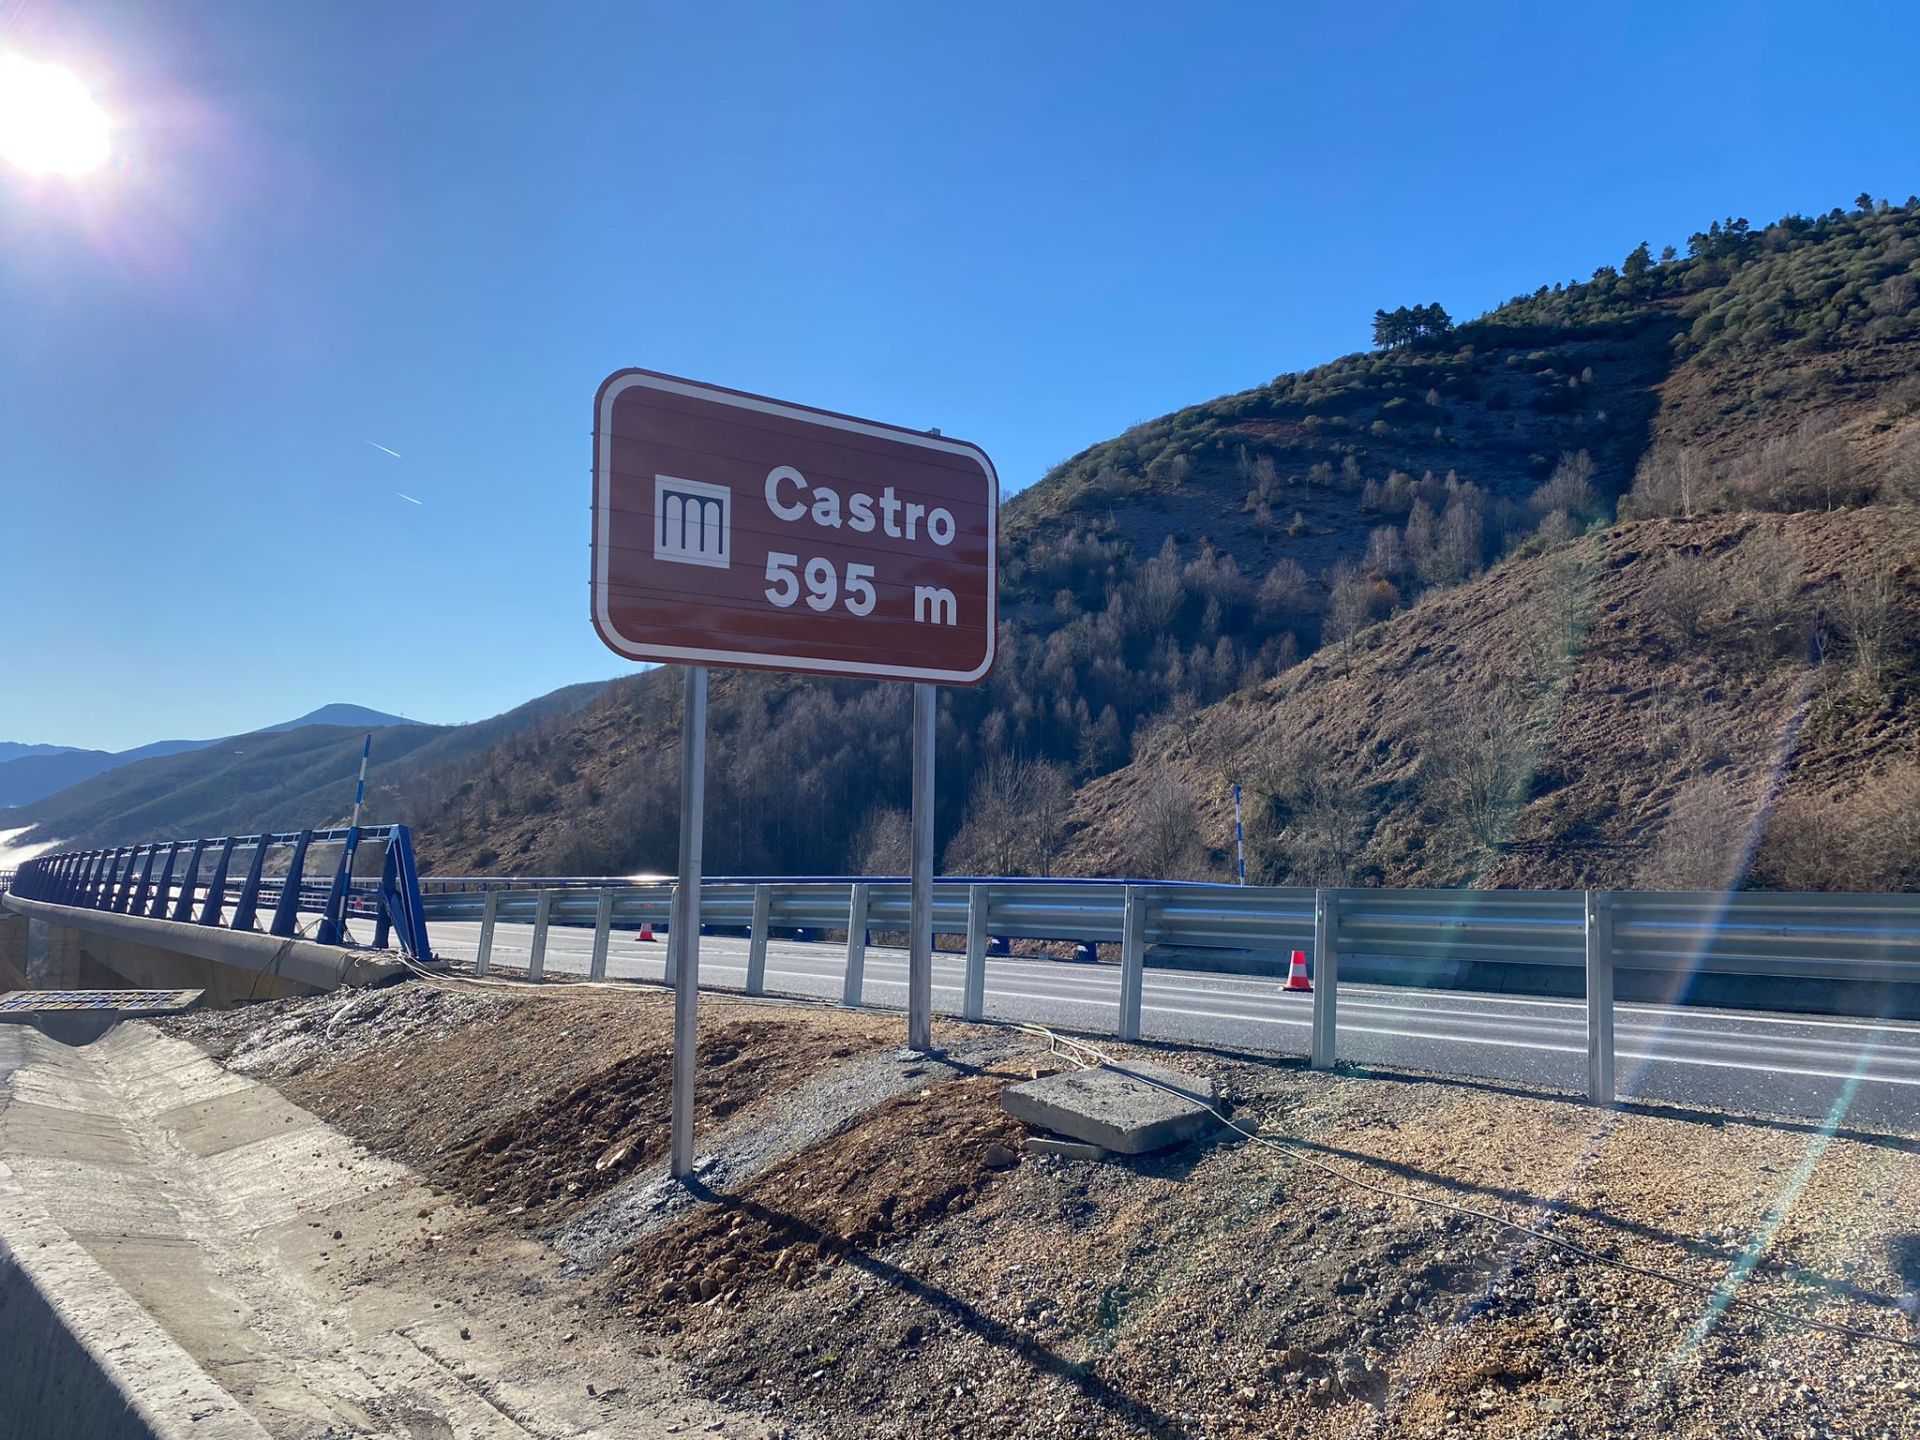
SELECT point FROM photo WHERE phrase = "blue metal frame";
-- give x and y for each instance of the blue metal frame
(122, 881)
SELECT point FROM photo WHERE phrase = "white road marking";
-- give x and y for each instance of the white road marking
(1683, 1028)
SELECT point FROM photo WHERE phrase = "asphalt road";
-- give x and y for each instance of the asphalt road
(1846, 1073)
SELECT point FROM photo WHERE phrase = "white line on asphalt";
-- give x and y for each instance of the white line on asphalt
(1100, 993)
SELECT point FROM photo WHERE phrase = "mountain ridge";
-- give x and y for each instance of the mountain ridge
(50, 769)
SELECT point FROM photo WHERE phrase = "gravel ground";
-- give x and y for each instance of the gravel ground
(875, 1254)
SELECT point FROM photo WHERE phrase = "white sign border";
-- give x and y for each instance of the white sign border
(624, 380)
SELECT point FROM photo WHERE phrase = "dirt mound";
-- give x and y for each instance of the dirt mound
(910, 1161)
(575, 1144)
(524, 1099)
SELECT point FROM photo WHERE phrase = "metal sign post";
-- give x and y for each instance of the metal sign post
(685, 935)
(920, 951)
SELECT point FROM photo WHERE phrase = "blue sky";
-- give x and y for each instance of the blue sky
(436, 227)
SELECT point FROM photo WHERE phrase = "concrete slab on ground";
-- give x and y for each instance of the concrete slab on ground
(1113, 1109)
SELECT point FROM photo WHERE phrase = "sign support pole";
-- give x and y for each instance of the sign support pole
(684, 937)
(920, 953)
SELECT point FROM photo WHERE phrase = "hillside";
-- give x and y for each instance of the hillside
(29, 777)
(1671, 703)
(1197, 557)
(279, 779)
(33, 772)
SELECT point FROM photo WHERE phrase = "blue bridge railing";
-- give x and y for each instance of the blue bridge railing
(237, 881)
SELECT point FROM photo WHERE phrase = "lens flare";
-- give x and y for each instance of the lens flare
(49, 124)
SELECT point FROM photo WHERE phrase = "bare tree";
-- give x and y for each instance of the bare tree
(1387, 552)
(1015, 822)
(1863, 612)
(1570, 488)
(1347, 607)
(884, 843)
(1679, 597)
(1478, 766)
(1767, 580)
(1670, 480)
(1167, 843)
(1900, 482)
(1160, 591)
(1286, 591)
(1308, 817)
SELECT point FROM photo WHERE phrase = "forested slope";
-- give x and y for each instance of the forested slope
(1772, 370)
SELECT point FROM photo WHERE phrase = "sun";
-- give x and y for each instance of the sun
(49, 124)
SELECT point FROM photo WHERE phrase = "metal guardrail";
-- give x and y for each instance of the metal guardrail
(1838, 939)
(164, 880)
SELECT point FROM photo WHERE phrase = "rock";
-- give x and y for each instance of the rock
(999, 1157)
(1066, 1149)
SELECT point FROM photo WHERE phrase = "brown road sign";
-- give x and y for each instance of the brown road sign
(729, 529)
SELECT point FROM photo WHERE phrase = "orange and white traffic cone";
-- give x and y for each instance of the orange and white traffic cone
(646, 930)
(1297, 973)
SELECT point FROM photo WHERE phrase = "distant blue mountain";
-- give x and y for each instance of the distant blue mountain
(356, 715)
(33, 772)
(13, 750)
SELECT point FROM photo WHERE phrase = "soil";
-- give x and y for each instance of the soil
(534, 1102)
(916, 1272)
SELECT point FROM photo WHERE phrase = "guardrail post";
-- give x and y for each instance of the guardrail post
(489, 913)
(248, 905)
(602, 932)
(1133, 961)
(165, 887)
(217, 886)
(89, 887)
(190, 883)
(119, 877)
(138, 904)
(1600, 1087)
(1326, 977)
(853, 991)
(333, 917)
(286, 915)
(973, 994)
(123, 896)
(542, 914)
(757, 939)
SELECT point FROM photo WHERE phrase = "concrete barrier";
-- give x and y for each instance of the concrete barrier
(98, 949)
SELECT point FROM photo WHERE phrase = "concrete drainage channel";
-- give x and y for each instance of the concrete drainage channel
(184, 1252)
(82, 1356)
